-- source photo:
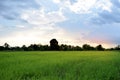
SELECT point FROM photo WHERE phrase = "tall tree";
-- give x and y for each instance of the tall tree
(54, 44)
(6, 46)
(99, 47)
(24, 48)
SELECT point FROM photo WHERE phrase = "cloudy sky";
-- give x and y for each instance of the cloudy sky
(74, 22)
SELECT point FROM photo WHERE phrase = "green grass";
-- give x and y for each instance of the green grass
(69, 65)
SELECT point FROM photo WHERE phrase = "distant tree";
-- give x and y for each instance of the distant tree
(110, 49)
(70, 48)
(100, 48)
(86, 47)
(1, 48)
(54, 44)
(24, 48)
(46, 47)
(6, 46)
(35, 47)
(117, 48)
(77, 48)
(30, 48)
(16, 48)
(63, 47)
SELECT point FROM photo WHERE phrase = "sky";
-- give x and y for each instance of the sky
(72, 22)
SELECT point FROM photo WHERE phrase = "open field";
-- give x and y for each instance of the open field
(74, 65)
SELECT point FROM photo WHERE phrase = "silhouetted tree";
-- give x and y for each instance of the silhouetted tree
(6, 46)
(54, 44)
(87, 47)
(46, 47)
(77, 48)
(99, 47)
(16, 48)
(1, 48)
(63, 47)
(24, 48)
(35, 47)
(117, 48)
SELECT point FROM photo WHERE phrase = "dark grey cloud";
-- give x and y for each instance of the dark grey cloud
(11, 9)
(107, 17)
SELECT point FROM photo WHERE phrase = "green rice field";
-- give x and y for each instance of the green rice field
(60, 65)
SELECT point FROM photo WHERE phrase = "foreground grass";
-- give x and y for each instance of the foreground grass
(84, 65)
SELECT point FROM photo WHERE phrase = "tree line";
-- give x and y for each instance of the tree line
(55, 47)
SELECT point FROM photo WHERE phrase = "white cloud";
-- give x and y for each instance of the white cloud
(107, 12)
(77, 7)
(82, 6)
(42, 28)
(103, 5)
(20, 26)
(85, 6)
(38, 17)
(56, 1)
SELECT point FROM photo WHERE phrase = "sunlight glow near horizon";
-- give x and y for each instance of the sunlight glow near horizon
(73, 22)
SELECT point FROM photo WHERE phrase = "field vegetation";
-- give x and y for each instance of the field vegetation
(60, 65)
